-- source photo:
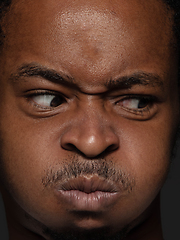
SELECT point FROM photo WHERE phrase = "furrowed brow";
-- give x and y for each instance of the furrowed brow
(124, 82)
(35, 70)
(139, 78)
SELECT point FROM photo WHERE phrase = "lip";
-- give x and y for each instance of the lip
(88, 194)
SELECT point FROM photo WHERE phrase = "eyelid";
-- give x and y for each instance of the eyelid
(136, 96)
(37, 92)
(42, 92)
(33, 93)
(141, 113)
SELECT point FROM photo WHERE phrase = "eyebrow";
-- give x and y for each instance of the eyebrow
(36, 70)
(138, 78)
(124, 82)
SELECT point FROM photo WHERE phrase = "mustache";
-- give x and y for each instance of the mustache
(76, 168)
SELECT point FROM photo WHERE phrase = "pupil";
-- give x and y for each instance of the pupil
(143, 103)
(56, 101)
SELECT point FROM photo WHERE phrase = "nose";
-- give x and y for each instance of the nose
(91, 138)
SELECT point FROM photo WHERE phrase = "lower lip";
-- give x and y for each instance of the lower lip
(82, 201)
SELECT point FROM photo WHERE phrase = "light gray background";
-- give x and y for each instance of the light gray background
(170, 205)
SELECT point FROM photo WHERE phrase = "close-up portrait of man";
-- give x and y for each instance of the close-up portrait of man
(89, 116)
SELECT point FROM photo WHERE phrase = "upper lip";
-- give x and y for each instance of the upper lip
(88, 184)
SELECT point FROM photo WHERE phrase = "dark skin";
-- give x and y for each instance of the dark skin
(89, 105)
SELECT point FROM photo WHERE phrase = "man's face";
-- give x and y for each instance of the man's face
(88, 111)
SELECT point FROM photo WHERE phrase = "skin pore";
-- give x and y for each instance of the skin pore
(89, 103)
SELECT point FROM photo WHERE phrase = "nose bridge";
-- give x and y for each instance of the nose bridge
(94, 122)
(90, 132)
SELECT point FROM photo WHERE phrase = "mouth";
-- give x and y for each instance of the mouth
(88, 193)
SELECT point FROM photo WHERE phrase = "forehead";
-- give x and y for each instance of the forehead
(97, 34)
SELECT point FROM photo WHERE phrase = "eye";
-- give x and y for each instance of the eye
(139, 103)
(47, 99)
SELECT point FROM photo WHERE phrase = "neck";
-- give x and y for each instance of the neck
(151, 228)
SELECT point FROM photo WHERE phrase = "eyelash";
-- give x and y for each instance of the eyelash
(123, 106)
(38, 93)
(150, 100)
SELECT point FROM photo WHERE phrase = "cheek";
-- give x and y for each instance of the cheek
(147, 149)
(25, 155)
(28, 149)
(145, 154)
(25, 160)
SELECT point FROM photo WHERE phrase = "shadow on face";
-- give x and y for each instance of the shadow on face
(89, 113)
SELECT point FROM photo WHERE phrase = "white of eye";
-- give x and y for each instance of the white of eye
(43, 100)
(131, 103)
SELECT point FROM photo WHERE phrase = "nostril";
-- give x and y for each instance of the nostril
(112, 147)
(73, 148)
(70, 147)
(90, 143)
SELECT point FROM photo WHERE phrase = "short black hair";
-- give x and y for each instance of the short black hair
(175, 6)
(4, 5)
